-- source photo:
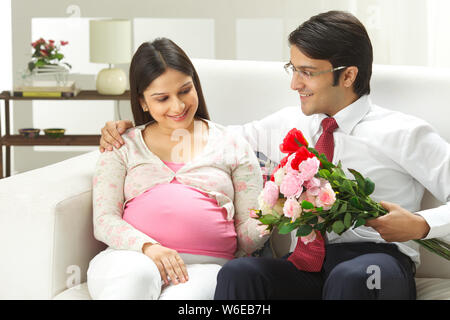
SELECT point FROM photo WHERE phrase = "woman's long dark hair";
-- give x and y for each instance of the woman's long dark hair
(150, 61)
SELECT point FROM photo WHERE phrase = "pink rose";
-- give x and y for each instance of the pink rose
(292, 209)
(308, 168)
(309, 238)
(292, 185)
(313, 186)
(326, 197)
(253, 214)
(288, 167)
(307, 197)
(270, 193)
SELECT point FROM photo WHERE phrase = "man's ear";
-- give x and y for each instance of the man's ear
(349, 76)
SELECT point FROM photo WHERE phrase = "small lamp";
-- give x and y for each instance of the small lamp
(110, 42)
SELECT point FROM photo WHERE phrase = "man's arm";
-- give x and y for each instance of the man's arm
(426, 157)
(265, 135)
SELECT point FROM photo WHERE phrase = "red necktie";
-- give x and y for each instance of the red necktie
(309, 257)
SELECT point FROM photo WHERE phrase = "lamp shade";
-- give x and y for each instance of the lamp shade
(110, 41)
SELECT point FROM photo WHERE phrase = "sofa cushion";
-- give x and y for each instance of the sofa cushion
(427, 289)
(79, 292)
(433, 289)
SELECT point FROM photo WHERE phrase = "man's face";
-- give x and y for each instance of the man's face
(317, 94)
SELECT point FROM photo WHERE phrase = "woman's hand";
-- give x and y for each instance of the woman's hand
(168, 261)
(111, 134)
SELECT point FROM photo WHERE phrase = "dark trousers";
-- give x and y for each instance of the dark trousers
(350, 271)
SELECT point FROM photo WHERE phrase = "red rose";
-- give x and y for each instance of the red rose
(293, 141)
(301, 155)
(63, 43)
(44, 53)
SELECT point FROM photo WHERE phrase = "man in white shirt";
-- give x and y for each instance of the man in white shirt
(331, 63)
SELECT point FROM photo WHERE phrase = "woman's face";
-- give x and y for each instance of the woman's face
(171, 99)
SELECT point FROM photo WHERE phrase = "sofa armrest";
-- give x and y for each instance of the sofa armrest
(47, 236)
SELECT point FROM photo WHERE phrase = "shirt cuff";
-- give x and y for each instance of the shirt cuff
(439, 221)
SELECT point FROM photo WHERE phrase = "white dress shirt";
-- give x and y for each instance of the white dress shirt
(400, 153)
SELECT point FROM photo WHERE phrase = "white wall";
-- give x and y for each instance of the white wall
(5, 55)
(410, 32)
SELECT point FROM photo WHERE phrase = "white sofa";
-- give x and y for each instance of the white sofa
(46, 238)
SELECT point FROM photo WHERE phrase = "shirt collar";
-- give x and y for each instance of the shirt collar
(347, 118)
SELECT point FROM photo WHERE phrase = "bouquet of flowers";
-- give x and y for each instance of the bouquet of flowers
(47, 54)
(308, 193)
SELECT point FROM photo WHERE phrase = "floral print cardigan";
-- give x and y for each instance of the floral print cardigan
(227, 170)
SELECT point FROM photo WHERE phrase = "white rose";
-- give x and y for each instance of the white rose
(279, 175)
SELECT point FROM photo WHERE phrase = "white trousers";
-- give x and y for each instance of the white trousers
(124, 274)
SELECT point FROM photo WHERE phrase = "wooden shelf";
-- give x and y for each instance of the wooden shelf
(9, 140)
(42, 140)
(83, 95)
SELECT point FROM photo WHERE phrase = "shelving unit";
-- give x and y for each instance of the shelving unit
(9, 140)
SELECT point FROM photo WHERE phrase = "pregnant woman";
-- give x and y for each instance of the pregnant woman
(173, 204)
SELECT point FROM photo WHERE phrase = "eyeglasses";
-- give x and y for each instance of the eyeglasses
(290, 69)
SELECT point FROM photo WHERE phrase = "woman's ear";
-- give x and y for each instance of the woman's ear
(143, 104)
(349, 76)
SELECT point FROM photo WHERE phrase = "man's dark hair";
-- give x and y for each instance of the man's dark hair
(340, 38)
(150, 61)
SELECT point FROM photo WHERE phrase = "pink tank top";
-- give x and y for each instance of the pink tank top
(183, 218)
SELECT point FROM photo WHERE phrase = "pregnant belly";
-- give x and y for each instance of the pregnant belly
(183, 218)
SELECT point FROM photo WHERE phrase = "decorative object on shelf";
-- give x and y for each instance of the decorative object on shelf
(47, 89)
(110, 42)
(29, 132)
(54, 132)
(46, 61)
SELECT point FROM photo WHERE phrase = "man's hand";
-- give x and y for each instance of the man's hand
(399, 225)
(111, 134)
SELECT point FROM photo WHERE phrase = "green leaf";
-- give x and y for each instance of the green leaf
(314, 220)
(304, 230)
(324, 173)
(338, 174)
(347, 186)
(268, 219)
(320, 226)
(354, 202)
(369, 186)
(359, 222)
(338, 227)
(287, 228)
(348, 220)
(306, 215)
(336, 183)
(359, 178)
(31, 66)
(343, 207)
(335, 206)
(307, 205)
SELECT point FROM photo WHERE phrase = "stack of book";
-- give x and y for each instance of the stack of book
(48, 89)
